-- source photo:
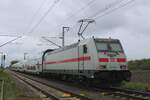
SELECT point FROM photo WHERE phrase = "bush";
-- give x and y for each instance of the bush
(136, 86)
(143, 64)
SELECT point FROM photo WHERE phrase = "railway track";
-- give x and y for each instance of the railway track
(133, 94)
(51, 92)
(126, 93)
(113, 92)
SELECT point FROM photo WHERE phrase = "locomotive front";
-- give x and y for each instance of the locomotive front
(112, 61)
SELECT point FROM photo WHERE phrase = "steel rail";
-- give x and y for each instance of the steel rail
(130, 96)
(131, 91)
(37, 88)
(46, 84)
(121, 92)
(116, 91)
(133, 94)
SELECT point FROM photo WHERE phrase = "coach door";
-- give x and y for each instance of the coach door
(81, 64)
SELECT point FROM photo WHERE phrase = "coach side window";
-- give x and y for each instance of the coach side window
(84, 49)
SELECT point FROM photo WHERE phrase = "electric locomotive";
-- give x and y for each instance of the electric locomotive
(93, 59)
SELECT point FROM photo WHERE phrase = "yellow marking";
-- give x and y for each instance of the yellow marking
(123, 98)
(42, 95)
(133, 94)
(103, 93)
(82, 94)
(111, 95)
(118, 96)
(66, 95)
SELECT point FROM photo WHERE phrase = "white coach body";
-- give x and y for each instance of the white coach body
(83, 58)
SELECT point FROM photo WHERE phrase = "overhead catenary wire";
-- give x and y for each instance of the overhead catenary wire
(112, 10)
(90, 3)
(82, 9)
(50, 8)
(51, 42)
(18, 37)
(32, 19)
(94, 16)
(45, 14)
(10, 41)
(34, 15)
(3, 35)
(108, 7)
(78, 11)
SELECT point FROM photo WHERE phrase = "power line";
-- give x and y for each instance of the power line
(77, 12)
(11, 41)
(114, 9)
(101, 10)
(92, 1)
(81, 9)
(34, 15)
(51, 42)
(49, 9)
(8, 35)
(107, 7)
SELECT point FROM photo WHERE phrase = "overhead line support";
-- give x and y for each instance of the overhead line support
(63, 35)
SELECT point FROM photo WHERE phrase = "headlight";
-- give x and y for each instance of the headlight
(123, 67)
(103, 66)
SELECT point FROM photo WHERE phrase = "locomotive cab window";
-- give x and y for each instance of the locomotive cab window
(109, 46)
(85, 49)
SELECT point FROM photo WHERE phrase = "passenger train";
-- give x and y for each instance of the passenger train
(89, 60)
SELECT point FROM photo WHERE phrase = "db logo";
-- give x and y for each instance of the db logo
(112, 60)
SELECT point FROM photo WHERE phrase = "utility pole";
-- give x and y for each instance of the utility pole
(4, 57)
(25, 55)
(1, 58)
(63, 35)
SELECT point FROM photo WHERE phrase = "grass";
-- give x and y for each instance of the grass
(142, 64)
(136, 86)
(0, 85)
(10, 88)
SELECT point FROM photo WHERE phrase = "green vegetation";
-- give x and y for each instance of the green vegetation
(136, 86)
(143, 64)
(10, 88)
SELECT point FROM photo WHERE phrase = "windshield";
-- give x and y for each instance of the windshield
(109, 46)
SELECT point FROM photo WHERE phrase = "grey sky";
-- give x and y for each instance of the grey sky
(130, 24)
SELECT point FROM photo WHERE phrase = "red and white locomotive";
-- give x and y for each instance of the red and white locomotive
(93, 59)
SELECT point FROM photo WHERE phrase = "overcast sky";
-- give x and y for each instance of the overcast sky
(33, 19)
